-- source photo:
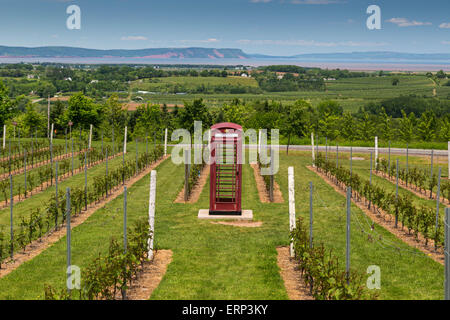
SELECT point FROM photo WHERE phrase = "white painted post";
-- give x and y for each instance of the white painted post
(125, 141)
(90, 136)
(259, 141)
(165, 143)
(291, 206)
(4, 137)
(312, 149)
(51, 134)
(151, 213)
(376, 153)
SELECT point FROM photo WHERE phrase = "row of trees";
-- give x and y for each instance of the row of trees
(299, 119)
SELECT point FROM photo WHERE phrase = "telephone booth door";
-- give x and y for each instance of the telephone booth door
(226, 169)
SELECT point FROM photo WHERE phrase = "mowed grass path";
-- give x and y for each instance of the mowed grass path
(214, 261)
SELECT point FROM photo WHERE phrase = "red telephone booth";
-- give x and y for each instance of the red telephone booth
(226, 169)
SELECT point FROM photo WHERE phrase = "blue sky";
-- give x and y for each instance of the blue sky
(277, 27)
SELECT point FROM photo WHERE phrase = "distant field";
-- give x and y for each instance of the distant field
(351, 93)
(165, 84)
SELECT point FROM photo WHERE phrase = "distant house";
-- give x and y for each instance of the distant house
(329, 79)
(30, 76)
(244, 75)
(280, 76)
(94, 81)
(68, 79)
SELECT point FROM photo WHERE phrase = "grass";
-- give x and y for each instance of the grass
(213, 261)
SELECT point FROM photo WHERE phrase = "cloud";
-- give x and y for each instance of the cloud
(403, 22)
(445, 25)
(133, 38)
(445, 42)
(312, 43)
(260, 1)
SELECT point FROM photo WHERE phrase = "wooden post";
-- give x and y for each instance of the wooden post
(151, 213)
(291, 206)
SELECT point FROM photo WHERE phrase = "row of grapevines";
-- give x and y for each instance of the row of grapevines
(416, 219)
(55, 214)
(420, 179)
(322, 271)
(108, 275)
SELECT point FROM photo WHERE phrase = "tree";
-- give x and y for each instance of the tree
(426, 128)
(366, 128)
(149, 117)
(292, 123)
(310, 121)
(386, 125)
(32, 119)
(406, 130)
(6, 107)
(57, 115)
(445, 129)
(395, 81)
(441, 74)
(82, 111)
(195, 111)
(331, 107)
(328, 125)
(116, 115)
(348, 126)
(235, 113)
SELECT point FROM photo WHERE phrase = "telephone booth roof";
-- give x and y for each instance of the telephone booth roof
(226, 125)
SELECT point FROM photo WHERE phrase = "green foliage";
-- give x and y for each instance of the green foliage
(322, 271)
(414, 218)
(83, 112)
(106, 276)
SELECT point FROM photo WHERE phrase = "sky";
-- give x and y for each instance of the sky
(274, 27)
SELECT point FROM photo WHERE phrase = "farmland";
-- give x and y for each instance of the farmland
(407, 273)
(115, 235)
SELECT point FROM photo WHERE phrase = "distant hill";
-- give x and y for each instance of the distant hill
(217, 54)
(154, 53)
(363, 56)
